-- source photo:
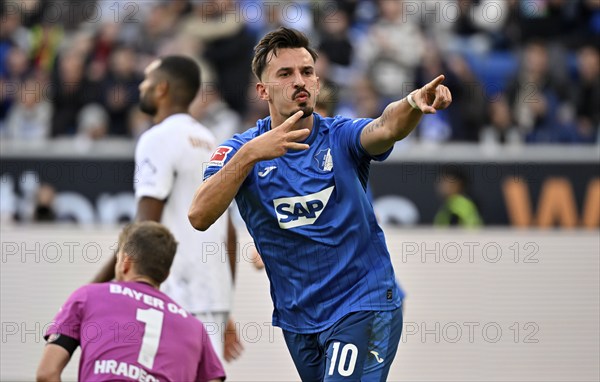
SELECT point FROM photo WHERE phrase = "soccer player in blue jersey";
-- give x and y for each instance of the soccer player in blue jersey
(299, 181)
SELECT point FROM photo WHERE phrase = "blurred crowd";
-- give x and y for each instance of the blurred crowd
(521, 71)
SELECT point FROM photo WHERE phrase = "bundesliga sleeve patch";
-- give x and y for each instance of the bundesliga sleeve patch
(220, 156)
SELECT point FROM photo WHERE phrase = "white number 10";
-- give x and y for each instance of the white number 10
(348, 348)
(153, 319)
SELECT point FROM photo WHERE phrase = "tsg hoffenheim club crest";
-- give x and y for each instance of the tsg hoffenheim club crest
(324, 160)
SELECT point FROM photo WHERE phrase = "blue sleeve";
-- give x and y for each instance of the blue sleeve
(221, 156)
(347, 132)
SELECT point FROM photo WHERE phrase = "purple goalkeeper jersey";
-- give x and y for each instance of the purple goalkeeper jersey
(130, 331)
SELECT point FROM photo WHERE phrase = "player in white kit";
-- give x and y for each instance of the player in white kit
(168, 170)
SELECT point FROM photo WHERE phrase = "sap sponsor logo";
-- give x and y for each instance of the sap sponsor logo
(301, 210)
(219, 156)
(123, 369)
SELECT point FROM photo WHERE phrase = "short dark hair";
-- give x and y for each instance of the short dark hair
(184, 75)
(454, 174)
(278, 39)
(151, 246)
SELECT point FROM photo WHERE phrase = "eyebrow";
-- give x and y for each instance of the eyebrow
(287, 69)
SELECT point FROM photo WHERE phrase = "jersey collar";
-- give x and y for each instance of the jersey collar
(174, 117)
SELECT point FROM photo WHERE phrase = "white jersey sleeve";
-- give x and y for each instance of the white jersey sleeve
(154, 168)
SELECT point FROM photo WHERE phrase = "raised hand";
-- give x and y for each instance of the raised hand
(433, 96)
(280, 139)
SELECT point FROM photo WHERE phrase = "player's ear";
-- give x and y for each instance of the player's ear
(262, 90)
(162, 88)
(127, 263)
(318, 85)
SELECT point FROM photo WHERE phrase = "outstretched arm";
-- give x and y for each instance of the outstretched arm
(400, 118)
(216, 194)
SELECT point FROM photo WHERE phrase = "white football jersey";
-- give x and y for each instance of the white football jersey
(169, 162)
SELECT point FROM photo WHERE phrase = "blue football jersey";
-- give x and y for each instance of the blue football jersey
(309, 215)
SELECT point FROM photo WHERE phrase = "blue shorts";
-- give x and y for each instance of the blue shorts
(359, 347)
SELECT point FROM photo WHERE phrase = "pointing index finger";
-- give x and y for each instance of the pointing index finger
(433, 84)
(292, 120)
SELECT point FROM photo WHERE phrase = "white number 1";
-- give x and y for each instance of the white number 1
(153, 319)
(344, 372)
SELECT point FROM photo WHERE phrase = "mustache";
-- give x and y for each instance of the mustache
(303, 90)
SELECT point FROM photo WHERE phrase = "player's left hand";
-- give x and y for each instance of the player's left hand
(233, 345)
(433, 96)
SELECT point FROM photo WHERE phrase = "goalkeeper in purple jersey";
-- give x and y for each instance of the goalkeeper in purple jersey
(129, 330)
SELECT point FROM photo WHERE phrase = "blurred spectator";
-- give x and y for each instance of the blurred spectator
(44, 208)
(17, 64)
(458, 209)
(12, 32)
(335, 41)
(323, 66)
(587, 93)
(545, 19)
(45, 40)
(587, 23)
(104, 43)
(470, 110)
(441, 126)
(327, 101)
(469, 106)
(81, 42)
(33, 12)
(120, 90)
(363, 101)
(70, 92)
(15, 68)
(538, 99)
(392, 50)
(226, 44)
(159, 26)
(509, 37)
(29, 117)
(265, 16)
(210, 110)
(92, 122)
(469, 26)
(501, 128)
